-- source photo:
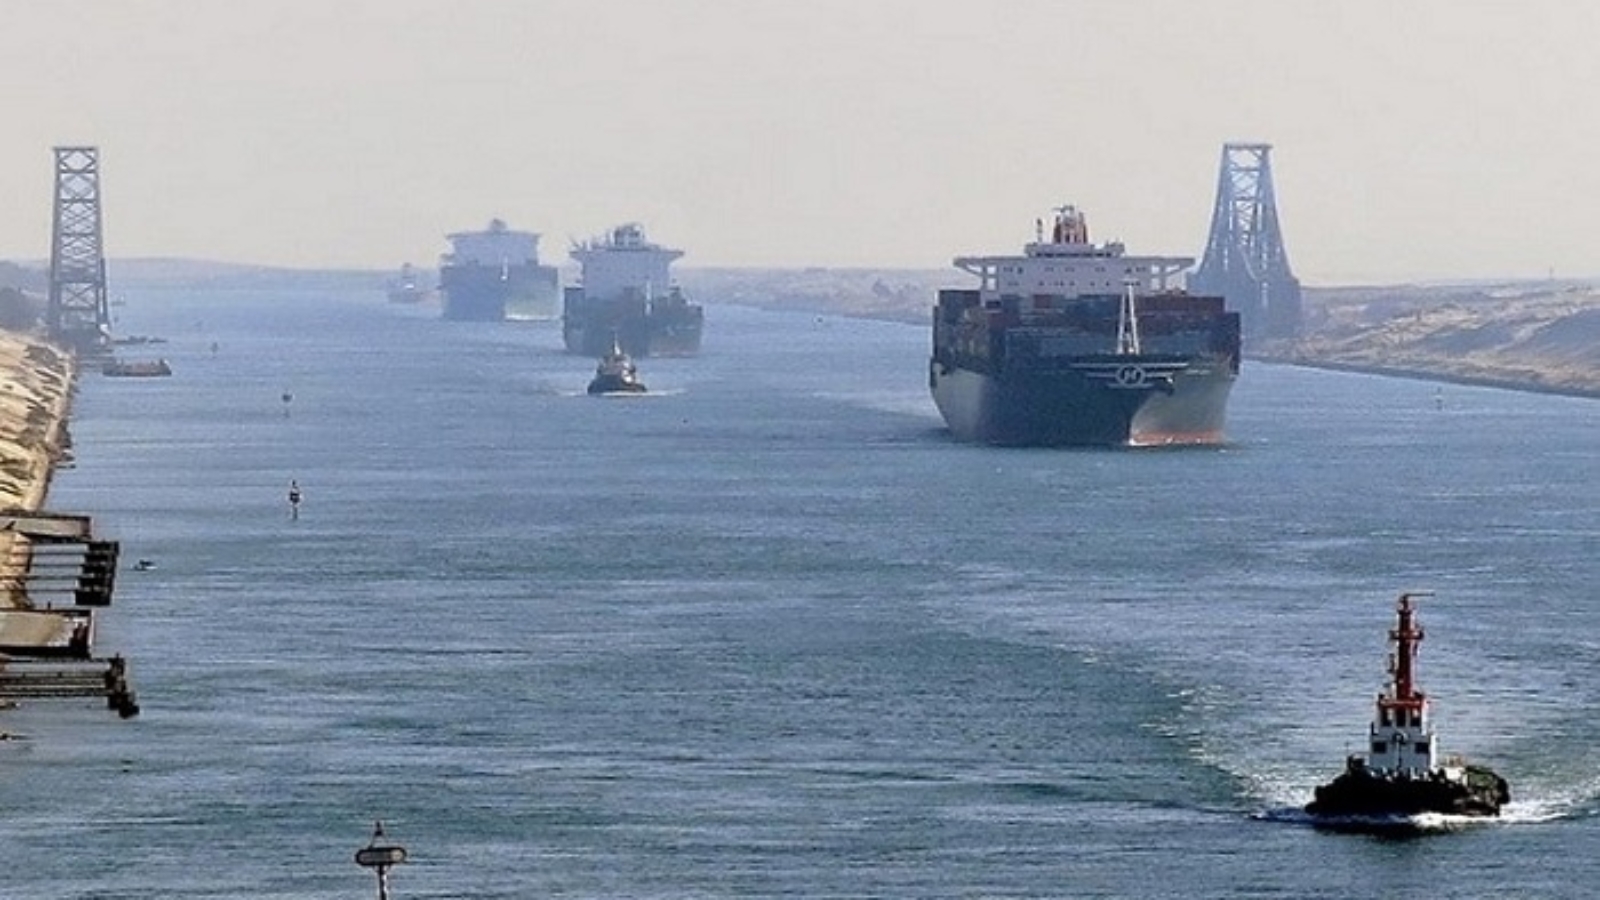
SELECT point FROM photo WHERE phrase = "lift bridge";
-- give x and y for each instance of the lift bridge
(1244, 260)
(77, 314)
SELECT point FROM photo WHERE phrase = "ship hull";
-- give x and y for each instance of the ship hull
(631, 324)
(1362, 794)
(476, 293)
(1066, 406)
(615, 384)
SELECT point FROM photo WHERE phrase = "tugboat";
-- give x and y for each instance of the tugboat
(616, 374)
(1402, 777)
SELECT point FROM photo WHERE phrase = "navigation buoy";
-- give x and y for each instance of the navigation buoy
(380, 858)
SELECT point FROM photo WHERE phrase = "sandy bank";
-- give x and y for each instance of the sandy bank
(1533, 381)
(35, 396)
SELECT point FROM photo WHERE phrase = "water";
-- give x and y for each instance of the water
(767, 631)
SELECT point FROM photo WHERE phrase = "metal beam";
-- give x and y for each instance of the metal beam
(78, 314)
(1245, 260)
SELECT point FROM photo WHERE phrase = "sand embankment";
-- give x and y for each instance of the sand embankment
(1537, 337)
(35, 397)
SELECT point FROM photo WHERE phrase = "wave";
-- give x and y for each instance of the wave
(1420, 825)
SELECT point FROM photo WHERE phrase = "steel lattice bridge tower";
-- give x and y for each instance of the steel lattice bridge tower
(77, 315)
(1244, 260)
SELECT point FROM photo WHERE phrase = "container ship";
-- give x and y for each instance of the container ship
(626, 298)
(1078, 344)
(493, 274)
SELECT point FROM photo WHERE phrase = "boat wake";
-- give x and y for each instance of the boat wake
(1395, 826)
(1527, 812)
(632, 395)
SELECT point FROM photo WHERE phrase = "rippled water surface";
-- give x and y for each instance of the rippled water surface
(767, 631)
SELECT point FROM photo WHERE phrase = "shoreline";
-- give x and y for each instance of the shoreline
(1433, 375)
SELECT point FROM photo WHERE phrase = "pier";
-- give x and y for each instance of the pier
(54, 574)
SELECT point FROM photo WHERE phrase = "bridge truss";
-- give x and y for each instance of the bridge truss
(1245, 260)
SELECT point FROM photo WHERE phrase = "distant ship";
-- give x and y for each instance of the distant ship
(627, 298)
(1074, 343)
(406, 287)
(494, 274)
(616, 374)
(138, 368)
(1401, 776)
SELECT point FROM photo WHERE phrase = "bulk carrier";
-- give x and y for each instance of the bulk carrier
(627, 299)
(1078, 344)
(495, 273)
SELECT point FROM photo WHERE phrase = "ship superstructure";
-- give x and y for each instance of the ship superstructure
(1076, 343)
(494, 273)
(1401, 774)
(627, 298)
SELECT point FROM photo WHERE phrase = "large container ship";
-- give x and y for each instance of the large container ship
(493, 274)
(1075, 343)
(627, 300)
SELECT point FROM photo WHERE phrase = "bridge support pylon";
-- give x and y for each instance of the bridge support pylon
(1245, 260)
(77, 314)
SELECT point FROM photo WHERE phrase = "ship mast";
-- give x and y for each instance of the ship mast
(1128, 322)
(1406, 636)
(1402, 736)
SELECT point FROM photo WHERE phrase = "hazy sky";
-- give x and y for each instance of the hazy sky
(1417, 139)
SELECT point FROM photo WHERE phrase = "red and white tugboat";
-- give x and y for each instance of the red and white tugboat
(1401, 776)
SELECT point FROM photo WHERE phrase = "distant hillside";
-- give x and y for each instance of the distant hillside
(157, 272)
(1539, 336)
(203, 274)
(902, 295)
(24, 278)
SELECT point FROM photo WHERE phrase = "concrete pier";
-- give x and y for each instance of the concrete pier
(53, 571)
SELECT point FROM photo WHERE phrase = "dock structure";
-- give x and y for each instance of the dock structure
(1245, 261)
(54, 557)
(54, 574)
(36, 679)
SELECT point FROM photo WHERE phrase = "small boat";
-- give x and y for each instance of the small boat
(406, 287)
(1402, 775)
(616, 374)
(142, 368)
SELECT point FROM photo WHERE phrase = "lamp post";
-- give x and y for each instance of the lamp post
(380, 857)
